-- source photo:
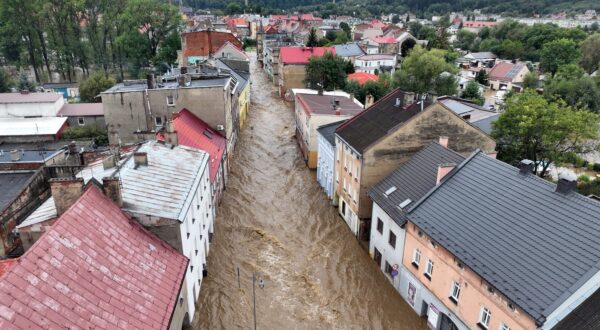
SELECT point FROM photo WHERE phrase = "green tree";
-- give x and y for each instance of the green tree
(425, 71)
(327, 72)
(93, 86)
(233, 8)
(313, 40)
(557, 53)
(330, 35)
(573, 87)
(531, 80)
(532, 127)
(24, 84)
(395, 19)
(167, 53)
(473, 93)
(340, 38)
(5, 82)
(442, 35)
(346, 28)
(590, 53)
(465, 40)
(511, 49)
(482, 77)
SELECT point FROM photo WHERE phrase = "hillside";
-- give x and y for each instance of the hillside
(375, 7)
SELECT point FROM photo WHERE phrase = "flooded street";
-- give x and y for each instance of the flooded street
(276, 220)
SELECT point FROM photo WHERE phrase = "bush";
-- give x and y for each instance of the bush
(596, 167)
(99, 136)
(591, 187)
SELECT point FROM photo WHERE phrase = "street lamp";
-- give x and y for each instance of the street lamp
(261, 284)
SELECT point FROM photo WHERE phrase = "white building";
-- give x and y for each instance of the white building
(397, 193)
(30, 104)
(375, 63)
(326, 159)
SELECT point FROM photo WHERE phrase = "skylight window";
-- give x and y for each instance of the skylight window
(390, 190)
(405, 203)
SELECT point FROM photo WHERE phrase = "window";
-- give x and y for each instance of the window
(429, 269)
(80, 121)
(388, 268)
(416, 258)
(454, 292)
(377, 257)
(158, 121)
(170, 100)
(504, 327)
(392, 239)
(379, 226)
(484, 318)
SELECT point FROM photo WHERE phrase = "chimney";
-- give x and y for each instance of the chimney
(398, 102)
(443, 170)
(526, 166)
(65, 192)
(443, 140)
(409, 98)
(72, 148)
(320, 91)
(15, 155)
(567, 182)
(493, 155)
(369, 100)
(111, 186)
(150, 81)
(140, 159)
(109, 162)
(170, 134)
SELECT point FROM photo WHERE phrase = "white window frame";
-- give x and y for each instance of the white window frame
(172, 99)
(80, 121)
(416, 259)
(485, 315)
(429, 268)
(455, 291)
(503, 326)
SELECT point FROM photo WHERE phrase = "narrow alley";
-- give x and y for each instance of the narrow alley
(275, 220)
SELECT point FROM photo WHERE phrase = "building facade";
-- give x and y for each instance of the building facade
(326, 159)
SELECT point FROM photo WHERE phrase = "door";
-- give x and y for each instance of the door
(377, 257)
(447, 324)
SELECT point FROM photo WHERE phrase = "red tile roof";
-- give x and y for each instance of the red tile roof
(309, 17)
(81, 109)
(362, 77)
(96, 268)
(384, 39)
(195, 133)
(5, 265)
(204, 43)
(301, 55)
(505, 71)
(479, 24)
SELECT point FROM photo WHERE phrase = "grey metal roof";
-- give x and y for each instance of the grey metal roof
(11, 185)
(483, 55)
(485, 124)
(412, 180)
(141, 85)
(165, 187)
(348, 50)
(534, 245)
(241, 79)
(44, 212)
(29, 156)
(328, 131)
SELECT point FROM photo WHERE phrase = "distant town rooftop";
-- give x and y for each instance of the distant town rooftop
(81, 109)
(323, 104)
(29, 97)
(31, 126)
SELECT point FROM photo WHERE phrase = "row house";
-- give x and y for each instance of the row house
(395, 194)
(164, 186)
(292, 65)
(95, 268)
(378, 140)
(376, 63)
(349, 51)
(314, 110)
(326, 158)
(135, 110)
(380, 45)
(493, 246)
(190, 131)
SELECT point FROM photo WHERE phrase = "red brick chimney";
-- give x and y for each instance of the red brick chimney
(65, 192)
(111, 186)
(443, 170)
(443, 140)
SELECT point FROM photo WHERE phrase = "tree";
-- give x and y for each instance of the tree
(93, 86)
(482, 77)
(327, 72)
(573, 87)
(167, 53)
(473, 93)
(233, 8)
(531, 80)
(407, 18)
(425, 71)
(465, 40)
(340, 38)
(330, 35)
(534, 128)
(5, 82)
(346, 28)
(313, 40)
(590, 53)
(395, 19)
(511, 49)
(442, 35)
(557, 53)
(24, 84)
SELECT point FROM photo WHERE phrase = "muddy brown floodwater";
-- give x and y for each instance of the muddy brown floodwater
(275, 220)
